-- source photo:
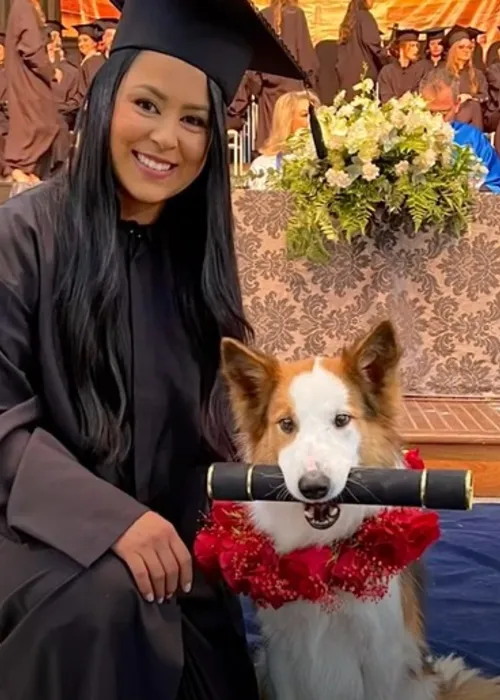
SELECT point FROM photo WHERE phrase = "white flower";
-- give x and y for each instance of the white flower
(370, 171)
(426, 161)
(364, 86)
(401, 168)
(337, 178)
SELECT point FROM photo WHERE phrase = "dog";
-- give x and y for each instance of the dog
(318, 418)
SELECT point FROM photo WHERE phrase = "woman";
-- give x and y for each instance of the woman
(89, 38)
(117, 282)
(434, 47)
(473, 85)
(290, 23)
(361, 53)
(290, 114)
(405, 73)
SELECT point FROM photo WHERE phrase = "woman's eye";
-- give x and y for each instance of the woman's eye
(147, 106)
(198, 122)
(287, 425)
(342, 419)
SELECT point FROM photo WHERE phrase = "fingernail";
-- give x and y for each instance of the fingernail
(187, 587)
(150, 598)
(160, 600)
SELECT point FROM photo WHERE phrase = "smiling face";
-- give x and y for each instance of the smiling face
(86, 44)
(160, 132)
(410, 50)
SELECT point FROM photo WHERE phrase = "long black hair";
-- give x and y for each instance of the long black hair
(89, 274)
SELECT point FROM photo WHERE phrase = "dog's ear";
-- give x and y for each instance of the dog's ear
(372, 365)
(251, 377)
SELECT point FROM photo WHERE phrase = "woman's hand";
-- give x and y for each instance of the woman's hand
(156, 556)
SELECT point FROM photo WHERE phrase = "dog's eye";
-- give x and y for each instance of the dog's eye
(342, 419)
(287, 425)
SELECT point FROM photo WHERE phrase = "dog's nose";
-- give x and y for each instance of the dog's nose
(314, 485)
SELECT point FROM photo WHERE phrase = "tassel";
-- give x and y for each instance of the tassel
(317, 134)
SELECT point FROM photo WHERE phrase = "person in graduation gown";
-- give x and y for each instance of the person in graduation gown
(478, 38)
(328, 79)
(89, 37)
(434, 47)
(35, 139)
(107, 25)
(118, 279)
(405, 73)
(473, 84)
(492, 109)
(66, 87)
(441, 91)
(493, 53)
(360, 51)
(290, 23)
(4, 110)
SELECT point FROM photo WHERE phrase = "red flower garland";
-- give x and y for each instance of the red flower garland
(363, 564)
(413, 460)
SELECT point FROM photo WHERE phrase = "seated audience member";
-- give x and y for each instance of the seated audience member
(478, 38)
(291, 113)
(441, 91)
(492, 109)
(434, 47)
(405, 73)
(473, 87)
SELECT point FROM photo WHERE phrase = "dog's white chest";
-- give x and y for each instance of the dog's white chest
(360, 652)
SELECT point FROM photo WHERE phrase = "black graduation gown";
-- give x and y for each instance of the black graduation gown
(395, 81)
(72, 623)
(362, 54)
(86, 72)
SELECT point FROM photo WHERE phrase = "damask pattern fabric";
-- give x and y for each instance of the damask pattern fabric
(442, 293)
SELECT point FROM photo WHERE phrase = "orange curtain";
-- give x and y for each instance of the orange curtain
(324, 16)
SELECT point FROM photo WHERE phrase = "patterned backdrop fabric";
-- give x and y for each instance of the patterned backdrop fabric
(442, 293)
(324, 16)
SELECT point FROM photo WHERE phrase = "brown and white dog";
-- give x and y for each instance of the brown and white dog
(335, 414)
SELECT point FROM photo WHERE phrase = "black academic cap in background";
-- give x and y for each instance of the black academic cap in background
(91, 29)
(106, 23)
(457, 33)
(2, 38)
(474, 32)
(53, 25)
(434, 33)
(406, 34)
(223, 38)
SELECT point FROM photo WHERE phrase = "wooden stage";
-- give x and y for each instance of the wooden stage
(459, 434)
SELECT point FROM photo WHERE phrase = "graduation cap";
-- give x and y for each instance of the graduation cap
(223, 38)
(434, 33)
(106, 23)
(405, 34)
(474, 33)
(2, 38)
(91, 30)
(53, 25)
(458, 33)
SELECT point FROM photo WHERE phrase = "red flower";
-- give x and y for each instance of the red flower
(363, 565)
(413, 460)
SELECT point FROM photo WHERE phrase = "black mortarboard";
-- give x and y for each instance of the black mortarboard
(223, 38)
(90, 29)
(457, 33)
(406, 34)
(2, 38)
(434, 33)
(474, 33)
(53, 25)
(106, 23)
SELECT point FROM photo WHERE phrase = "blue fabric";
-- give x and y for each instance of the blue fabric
(463, 601)
(468, 135)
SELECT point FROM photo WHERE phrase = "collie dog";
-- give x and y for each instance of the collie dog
(319, 418)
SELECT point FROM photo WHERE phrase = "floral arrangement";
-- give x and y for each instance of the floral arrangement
(391, 162)
(362, 565)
